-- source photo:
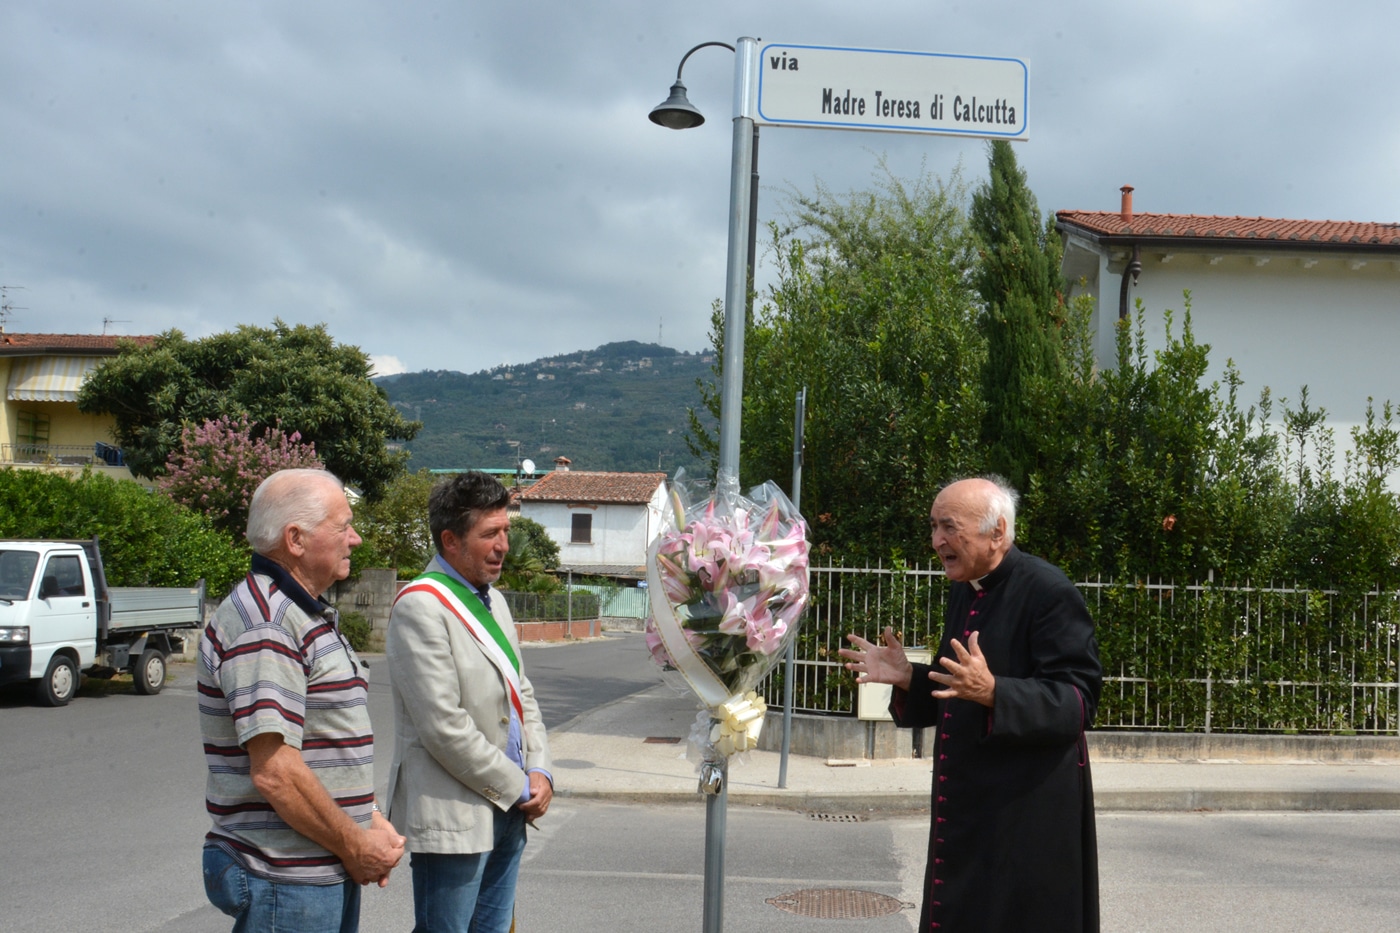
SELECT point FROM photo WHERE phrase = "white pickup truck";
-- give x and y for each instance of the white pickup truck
(58, 618)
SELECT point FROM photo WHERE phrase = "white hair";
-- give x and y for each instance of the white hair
(1001, 503)
(283, 500)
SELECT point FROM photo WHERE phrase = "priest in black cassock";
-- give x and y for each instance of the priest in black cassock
(1011, 845)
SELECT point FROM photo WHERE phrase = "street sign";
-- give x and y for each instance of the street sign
(899, 92)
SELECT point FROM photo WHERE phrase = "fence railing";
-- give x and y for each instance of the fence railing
(1194, 658)
(98, 454)
(551, 607)
(619, 602)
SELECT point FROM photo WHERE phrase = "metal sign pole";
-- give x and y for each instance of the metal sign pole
(790, 658)
(731, 407)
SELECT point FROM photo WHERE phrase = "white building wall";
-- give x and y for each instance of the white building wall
(1286, 322)
(621, 533)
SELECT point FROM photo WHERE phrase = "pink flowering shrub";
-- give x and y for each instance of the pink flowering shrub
(219, 464)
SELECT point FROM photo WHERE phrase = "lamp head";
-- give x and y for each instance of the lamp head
(676, 112)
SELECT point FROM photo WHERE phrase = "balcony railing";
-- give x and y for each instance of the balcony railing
(98, 454)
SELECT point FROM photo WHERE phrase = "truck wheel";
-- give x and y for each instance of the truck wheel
(149, 672)
(60, 682)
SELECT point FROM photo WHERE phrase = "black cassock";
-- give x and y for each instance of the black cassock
(1011, 844)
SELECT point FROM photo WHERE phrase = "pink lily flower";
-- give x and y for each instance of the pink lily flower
(787, 564)
(734, 611)
(769, 525)
(657, 647)
(709, 547)
(764, 633)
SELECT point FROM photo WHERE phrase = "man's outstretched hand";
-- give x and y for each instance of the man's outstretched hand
(878, 664)
(968, 676)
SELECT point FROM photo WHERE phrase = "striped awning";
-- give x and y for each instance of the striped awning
(49, 378)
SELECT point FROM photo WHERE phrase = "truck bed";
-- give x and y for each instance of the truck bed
(143, 607)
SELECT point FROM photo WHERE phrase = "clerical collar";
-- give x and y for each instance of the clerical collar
(997, 574)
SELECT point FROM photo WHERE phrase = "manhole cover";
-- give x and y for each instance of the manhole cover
(838, 904)
(837, 817)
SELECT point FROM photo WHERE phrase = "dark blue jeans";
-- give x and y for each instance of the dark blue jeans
(261, 906)
(470, 893)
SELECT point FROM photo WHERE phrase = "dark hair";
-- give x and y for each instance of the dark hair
(457, 504)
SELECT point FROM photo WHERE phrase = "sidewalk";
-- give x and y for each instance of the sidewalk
(633, 750)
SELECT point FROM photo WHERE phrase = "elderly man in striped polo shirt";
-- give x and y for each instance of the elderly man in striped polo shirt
(287, 739)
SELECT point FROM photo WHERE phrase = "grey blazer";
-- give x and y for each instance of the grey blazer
(450, 772)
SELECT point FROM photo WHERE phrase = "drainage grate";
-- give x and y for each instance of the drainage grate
(661, 740)
(837, 817)
(838, 904)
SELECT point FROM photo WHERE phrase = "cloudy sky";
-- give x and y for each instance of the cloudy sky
(457, 185)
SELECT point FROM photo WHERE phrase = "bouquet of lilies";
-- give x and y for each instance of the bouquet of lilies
(729, 583)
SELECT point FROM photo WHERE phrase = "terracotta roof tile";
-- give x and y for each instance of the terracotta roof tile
(571, 486)
(31, 344)
(1111, 223)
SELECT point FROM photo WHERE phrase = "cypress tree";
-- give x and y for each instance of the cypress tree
(1018, 278)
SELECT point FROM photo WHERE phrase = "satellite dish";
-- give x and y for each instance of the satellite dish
(527, 466)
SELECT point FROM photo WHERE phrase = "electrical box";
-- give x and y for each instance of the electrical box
(873, 700)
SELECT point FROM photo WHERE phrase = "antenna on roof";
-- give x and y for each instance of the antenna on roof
(110, 320)
(6, 309)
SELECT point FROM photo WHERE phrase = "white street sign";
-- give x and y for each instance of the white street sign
(898, 92)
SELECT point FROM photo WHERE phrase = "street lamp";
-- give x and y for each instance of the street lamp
(677, 113)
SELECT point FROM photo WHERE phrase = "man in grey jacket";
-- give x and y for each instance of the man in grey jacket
(471, 762)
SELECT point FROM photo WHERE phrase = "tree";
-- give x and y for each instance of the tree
(872, 314)
(1152, 473)
(1018, 277)
(147, 540)
(395, 526)
(527, 562)
(293, 377)
(543, 546)
(220, 463)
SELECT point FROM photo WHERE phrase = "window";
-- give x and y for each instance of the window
(32, 428)
(583, 528)
(67, 575)
(31, 437)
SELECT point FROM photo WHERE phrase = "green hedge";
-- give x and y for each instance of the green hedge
(146, 539)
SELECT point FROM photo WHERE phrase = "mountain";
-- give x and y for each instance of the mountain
(620, 407)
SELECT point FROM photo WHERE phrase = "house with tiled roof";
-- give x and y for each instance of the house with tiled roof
(1292, 302)
(602, 522)
(40, 425)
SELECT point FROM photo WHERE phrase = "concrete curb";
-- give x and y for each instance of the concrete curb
(1178, 801)
(884, 802)
(1110, 801)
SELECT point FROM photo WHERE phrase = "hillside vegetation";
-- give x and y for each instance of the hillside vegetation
(620, 407)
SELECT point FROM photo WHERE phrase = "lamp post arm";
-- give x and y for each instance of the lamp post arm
(696, 49)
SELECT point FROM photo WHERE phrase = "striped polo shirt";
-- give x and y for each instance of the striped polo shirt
(272, 659)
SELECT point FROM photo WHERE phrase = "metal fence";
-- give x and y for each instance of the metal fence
(617, 602)
(96, 454)
(551, 607)
(1195, 658)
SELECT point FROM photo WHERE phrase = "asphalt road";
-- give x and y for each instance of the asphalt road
(571, 679)
(103, 821)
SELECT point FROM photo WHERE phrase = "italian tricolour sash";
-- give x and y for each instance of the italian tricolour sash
(479, 623)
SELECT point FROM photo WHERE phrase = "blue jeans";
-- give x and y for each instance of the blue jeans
(261, 906)
(470, 893)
